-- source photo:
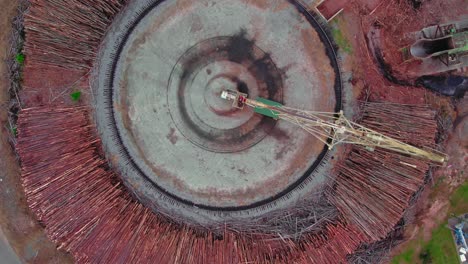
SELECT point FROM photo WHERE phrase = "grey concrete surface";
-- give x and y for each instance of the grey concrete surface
(173, 125)
(7, 255)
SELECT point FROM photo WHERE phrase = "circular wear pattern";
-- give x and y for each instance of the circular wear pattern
(196, 83)
(164, 126)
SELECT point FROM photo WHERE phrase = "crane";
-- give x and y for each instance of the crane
(331, 128)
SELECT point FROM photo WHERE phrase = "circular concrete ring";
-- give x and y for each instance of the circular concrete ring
(175, 143)
(196, 83)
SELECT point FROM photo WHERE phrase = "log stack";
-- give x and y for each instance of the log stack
(87, 211)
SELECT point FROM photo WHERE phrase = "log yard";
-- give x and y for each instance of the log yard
(233, 131)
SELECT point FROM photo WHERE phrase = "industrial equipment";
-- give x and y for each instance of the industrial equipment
(331, 128)
(446, 42)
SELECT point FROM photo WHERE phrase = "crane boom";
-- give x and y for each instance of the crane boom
(331, 128)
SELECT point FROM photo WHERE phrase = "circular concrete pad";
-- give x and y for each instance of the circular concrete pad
(164, 127)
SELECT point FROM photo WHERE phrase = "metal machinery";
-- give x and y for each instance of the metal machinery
(447, 42)
(331, 128)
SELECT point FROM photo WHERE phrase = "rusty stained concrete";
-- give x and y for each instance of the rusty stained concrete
(220, 179)
(21, 229)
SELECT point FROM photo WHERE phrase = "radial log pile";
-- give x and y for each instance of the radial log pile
(84, 209)
(67, 33)
(87, 211)
(373, 189)
(62, 39)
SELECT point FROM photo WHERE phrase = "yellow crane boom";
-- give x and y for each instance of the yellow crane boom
(335, 126)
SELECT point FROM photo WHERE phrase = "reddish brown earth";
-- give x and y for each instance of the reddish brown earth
(431, 209)
(397, 19)
(329, 8)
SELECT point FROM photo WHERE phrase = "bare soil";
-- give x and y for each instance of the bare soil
(22, 231)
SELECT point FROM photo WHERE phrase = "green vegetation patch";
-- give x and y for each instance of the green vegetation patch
(75, 96)
(459, 200)
(341, 40)
(440, 249)
(20, 58)
(405, 257)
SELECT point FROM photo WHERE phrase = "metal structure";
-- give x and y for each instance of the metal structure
(460, 235)
(332, 128)
(447, 43)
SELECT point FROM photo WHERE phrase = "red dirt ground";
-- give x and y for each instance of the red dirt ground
(329, 8)
(398, 18)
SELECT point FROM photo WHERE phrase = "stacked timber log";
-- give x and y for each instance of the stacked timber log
(373, 188)
(341, 239)
(63, 38)
(86, 211)
(67, 33)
